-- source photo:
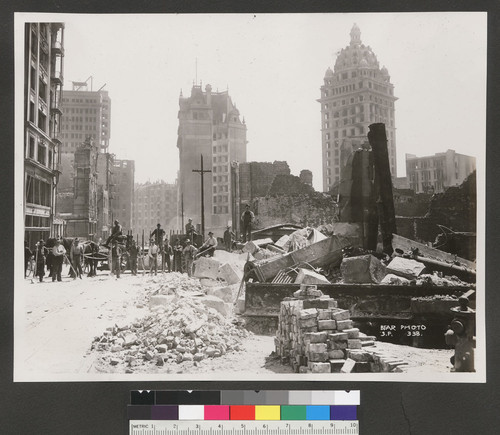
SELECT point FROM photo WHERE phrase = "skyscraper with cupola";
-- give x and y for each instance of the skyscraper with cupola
(355, 94)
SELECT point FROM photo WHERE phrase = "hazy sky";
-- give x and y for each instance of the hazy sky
(274, 66)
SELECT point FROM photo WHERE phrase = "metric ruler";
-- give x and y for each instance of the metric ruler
(230, 427)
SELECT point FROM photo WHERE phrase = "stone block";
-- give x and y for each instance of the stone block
(206, 267)
(336, 365)
(209, 282)
(352, 333)
(359, 355)
(348, 366)
(320, 367)
(309, 313)
(306, 276)
(305, 324)
(363, 269)
(344, 324)
(326, 324)
(336, 354)
(341, 315)
(323, 304)
(229, 274)
(216, 303)
(224, 293)
(354, 344)
(405, 267)
(391, 279)
(324, 314)
(255, 245)
(317, 357)
(338, 336)
(158, 300)
(316, 337)
(317, 347)
(283, 241)
(338, 344)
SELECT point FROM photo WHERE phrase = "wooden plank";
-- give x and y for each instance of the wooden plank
(407, 245)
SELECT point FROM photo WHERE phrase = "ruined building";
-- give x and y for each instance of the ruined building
(154, 203)
(355, 94)
(122, 199)
(209, 126)
(43, 81)
(433, 174)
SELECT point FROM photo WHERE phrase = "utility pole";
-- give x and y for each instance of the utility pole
(202, 172)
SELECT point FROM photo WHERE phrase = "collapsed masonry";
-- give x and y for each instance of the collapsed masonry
(315, 336)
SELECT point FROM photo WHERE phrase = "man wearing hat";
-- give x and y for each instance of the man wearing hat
(189, 254)
(76, 254)
(117, 231)
(208, 248)
(58, 251)
(247, 219)
(190, 230)
(40, 259)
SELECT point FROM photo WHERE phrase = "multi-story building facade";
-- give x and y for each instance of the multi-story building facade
(82, 222)
(122, 196)
(355, 94)
(155, 203)
(87, 113)
(433, 174)
(209, 126)
(43, 81)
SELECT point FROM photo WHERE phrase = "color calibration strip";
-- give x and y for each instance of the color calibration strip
(244, 405)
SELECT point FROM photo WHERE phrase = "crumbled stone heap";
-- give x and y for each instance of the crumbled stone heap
(315, 336)
(184, 329)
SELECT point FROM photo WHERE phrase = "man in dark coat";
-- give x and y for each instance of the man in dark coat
(158, 234)
(190, 230)
(247, 218)
(40, 259)
(117, 231)
(228, 239)
(27, 257)
(134, 252)
(177, 256)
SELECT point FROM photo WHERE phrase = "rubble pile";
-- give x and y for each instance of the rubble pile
(315, 336)
(184, 325)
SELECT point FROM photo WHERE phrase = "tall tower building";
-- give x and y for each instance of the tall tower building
(354, 95)
(43, 81)
(86, 114)
(209, 125)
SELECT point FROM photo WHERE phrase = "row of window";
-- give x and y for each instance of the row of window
(220, 148)
(80, 100)
(222, 188)
(38, 192)
(220, 168)
(329, 180)
(222, 159)
(221, 198)
(39, 152)
(221, 209)
(36, 221)
(220, 178)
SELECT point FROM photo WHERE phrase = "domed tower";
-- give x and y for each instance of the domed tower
(355, 94)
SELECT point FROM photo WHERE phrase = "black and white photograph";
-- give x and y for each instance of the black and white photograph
(250, 197)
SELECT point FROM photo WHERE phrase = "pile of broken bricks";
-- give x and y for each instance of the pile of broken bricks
(316, 336)
(184, 326)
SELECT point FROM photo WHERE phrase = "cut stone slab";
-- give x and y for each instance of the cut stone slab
(320, 367)
(283, 241)
(216, 303)
(391, 279)
(206, 267)
(405, 267)
(229, 274)
(276, 249)
(158, 300)
(209, 282)
(364, 269)
(224, 293)
(254, 245)
(309, 277)
(348, 366)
